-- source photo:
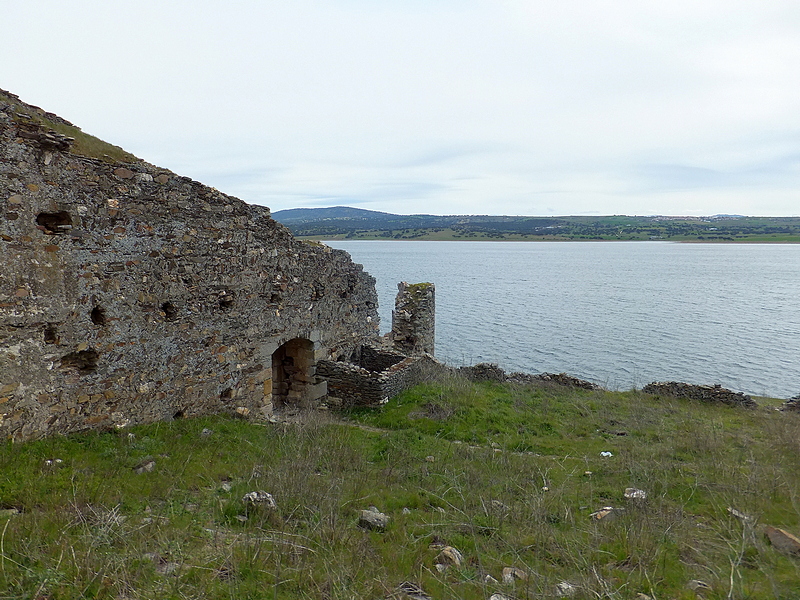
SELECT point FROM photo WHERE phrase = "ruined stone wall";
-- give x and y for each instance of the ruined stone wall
(414, 318)
(350, 385)
(376, 359)
(412, 371)
(129, 294)
(704, 393)
(354, 385)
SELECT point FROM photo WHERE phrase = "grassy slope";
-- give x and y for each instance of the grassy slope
(84, 145)
(92, 527)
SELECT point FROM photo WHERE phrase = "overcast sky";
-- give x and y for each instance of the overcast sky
(437, 106)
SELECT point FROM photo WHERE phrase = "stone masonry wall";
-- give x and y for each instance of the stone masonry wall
(413, 318)
(376, 359)
(705, 393)
(353, 385)
(129, 294)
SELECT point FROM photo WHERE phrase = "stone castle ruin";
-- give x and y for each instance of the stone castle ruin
(129, 294)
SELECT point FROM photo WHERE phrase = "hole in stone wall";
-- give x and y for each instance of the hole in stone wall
(226, 394)
(170, 311)
(98, 315)
(50, 334)
(275, 299)
(85, 360)
(226, 300)
(54, 223)
(178, 415)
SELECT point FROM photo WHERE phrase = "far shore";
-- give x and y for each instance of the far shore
(432, 238)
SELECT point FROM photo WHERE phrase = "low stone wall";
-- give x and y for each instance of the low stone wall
(792, 404)
(352, 385)
(704, 393)
(483, 372)
(561, 379)
(492, 372)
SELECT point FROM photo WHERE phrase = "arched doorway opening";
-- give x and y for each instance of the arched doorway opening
(293, 373)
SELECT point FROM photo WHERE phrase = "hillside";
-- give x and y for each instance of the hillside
(83, 144)
(489, 489)
(352, 223)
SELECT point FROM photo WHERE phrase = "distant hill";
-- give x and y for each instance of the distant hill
(310, 215)
(344, 219)
(343, 222)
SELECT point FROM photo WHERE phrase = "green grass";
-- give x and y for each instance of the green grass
(468, 462)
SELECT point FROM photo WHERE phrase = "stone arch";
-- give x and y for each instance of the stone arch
(294, 381)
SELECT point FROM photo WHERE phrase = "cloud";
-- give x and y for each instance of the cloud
(511, 106)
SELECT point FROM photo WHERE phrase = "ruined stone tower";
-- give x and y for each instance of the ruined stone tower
(413, 318)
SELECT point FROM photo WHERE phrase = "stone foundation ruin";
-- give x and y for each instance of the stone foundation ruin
(375, 375)
(129, 294)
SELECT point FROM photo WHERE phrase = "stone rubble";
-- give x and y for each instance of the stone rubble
(782, 540)
(512, 574)
(606, 513)
(635, 494)
(739, 515)
(373, 519)
(564, 589)
(565, 380)
(145, 467)
(449, 556)
(792, 404)
(493, 372)
(704, 393)
(260, 498)
(698, 586)
(412, 591)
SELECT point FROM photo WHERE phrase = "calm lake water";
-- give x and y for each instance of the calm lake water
(621, 314)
